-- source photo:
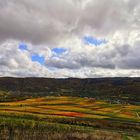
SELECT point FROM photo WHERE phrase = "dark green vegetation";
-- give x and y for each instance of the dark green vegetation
(117, 90)
(69, 109)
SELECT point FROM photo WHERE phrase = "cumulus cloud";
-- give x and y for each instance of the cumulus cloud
(122, 53)
(44, 25)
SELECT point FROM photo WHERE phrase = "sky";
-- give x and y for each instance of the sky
(70, 38)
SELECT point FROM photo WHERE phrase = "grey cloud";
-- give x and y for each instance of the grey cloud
(107, 16)
(131, 59)
(36, 22)
(51, 22)
(124, 57)
(77, 61)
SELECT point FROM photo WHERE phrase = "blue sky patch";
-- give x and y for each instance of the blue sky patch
(38, 58)
(23, 46)
(93, 41)
(59, 50)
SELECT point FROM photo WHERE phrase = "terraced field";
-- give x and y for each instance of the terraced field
(74, 114)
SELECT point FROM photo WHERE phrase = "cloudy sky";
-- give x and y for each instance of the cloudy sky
(70, 38)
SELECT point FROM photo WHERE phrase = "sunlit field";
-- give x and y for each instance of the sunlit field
(71, 107)
(74, 114)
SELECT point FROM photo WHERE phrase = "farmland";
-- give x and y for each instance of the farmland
(69, 109)
(85, 117)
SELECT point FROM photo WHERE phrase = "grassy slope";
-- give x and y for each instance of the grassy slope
(70, 114)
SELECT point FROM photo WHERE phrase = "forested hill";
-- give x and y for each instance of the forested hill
(122, 89)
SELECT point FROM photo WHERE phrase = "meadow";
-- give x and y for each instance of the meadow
(65, 117)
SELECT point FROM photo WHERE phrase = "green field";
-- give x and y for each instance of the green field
(53, 116)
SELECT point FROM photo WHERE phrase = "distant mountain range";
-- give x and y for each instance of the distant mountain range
(112, 89)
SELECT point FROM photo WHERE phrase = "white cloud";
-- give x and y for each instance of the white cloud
(46, 24)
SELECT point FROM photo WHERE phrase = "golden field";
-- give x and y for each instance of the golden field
(74, 114)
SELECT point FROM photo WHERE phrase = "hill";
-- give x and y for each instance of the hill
(122, 90)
